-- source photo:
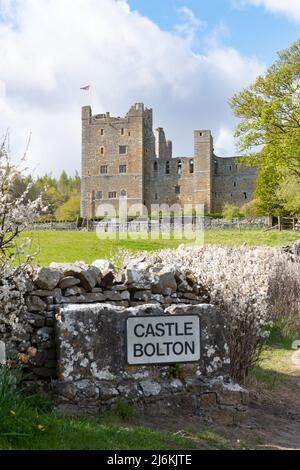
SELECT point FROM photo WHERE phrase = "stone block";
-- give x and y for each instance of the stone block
(35, 304)
(69, 281)
(47, 278)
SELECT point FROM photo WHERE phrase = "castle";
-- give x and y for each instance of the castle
(125, 158)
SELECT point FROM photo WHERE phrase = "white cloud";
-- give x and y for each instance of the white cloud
(225, 142)
(50, 48)
(190, 25)
(289, 8)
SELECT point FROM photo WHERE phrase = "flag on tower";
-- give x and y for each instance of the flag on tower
(86, 88)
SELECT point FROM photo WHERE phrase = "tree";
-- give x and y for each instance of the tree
(17, 210)
(250, 209)
(54, 199)
(70, 210)
(231, 211)
(289, 193)
(63, 182)
(269, 130)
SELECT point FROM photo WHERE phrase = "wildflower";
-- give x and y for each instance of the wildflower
(41, 427)
(13, 413)
(9, 364)
(23, 358)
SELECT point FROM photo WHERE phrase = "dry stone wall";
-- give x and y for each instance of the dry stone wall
(72, 337)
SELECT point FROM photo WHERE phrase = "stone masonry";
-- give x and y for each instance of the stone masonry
(123, 158)
(72, 340)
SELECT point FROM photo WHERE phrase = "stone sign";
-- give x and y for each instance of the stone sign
(163, 339)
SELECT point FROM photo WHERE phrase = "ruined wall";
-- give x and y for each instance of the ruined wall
(233, 182)
(147, 173)
(181, 180)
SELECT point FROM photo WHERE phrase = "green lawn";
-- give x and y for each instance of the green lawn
(34, 429)
(61, 433)
(72, 246)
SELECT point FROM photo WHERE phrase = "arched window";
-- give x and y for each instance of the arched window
(191, 166)
(155, 166)
(179, 168)
(167, 168)
(123, 194)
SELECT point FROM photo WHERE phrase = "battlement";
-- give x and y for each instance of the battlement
(137, 110)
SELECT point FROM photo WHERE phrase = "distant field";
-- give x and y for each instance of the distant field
(72, 246)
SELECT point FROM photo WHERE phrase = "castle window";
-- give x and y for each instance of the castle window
(122, 149)
(167, 168)
(101, 150)
(230, 168)
(177, 189)
(155, 167)
(112, 195)
(129, 133)
(234, 184)
(99, 195)
(122, 131)
(156, 197)
(215, 167)
(200, 133)
(101, 131)
(179, 167)
(123, 194)
(245, 196)
(122, 169)
(191, 166)
(103, 170)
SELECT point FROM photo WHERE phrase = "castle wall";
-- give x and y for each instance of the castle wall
(181, 180)
(152, 175)
(102, 137)
(233, 183)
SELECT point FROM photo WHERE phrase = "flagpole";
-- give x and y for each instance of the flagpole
(87, 88)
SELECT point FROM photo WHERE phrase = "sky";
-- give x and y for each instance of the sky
(183, 58)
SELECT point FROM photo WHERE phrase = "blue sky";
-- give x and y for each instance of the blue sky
(183, 58)
(254, 31)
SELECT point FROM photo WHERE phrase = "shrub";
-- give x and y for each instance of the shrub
(16, 212)
(253, 286)
(250, 209)
(230, 211)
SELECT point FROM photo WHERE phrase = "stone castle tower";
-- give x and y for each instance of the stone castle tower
(125, 158)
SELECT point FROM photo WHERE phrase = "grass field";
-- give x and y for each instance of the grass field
(85, 246)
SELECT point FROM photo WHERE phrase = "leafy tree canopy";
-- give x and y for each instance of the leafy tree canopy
(269, 129)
